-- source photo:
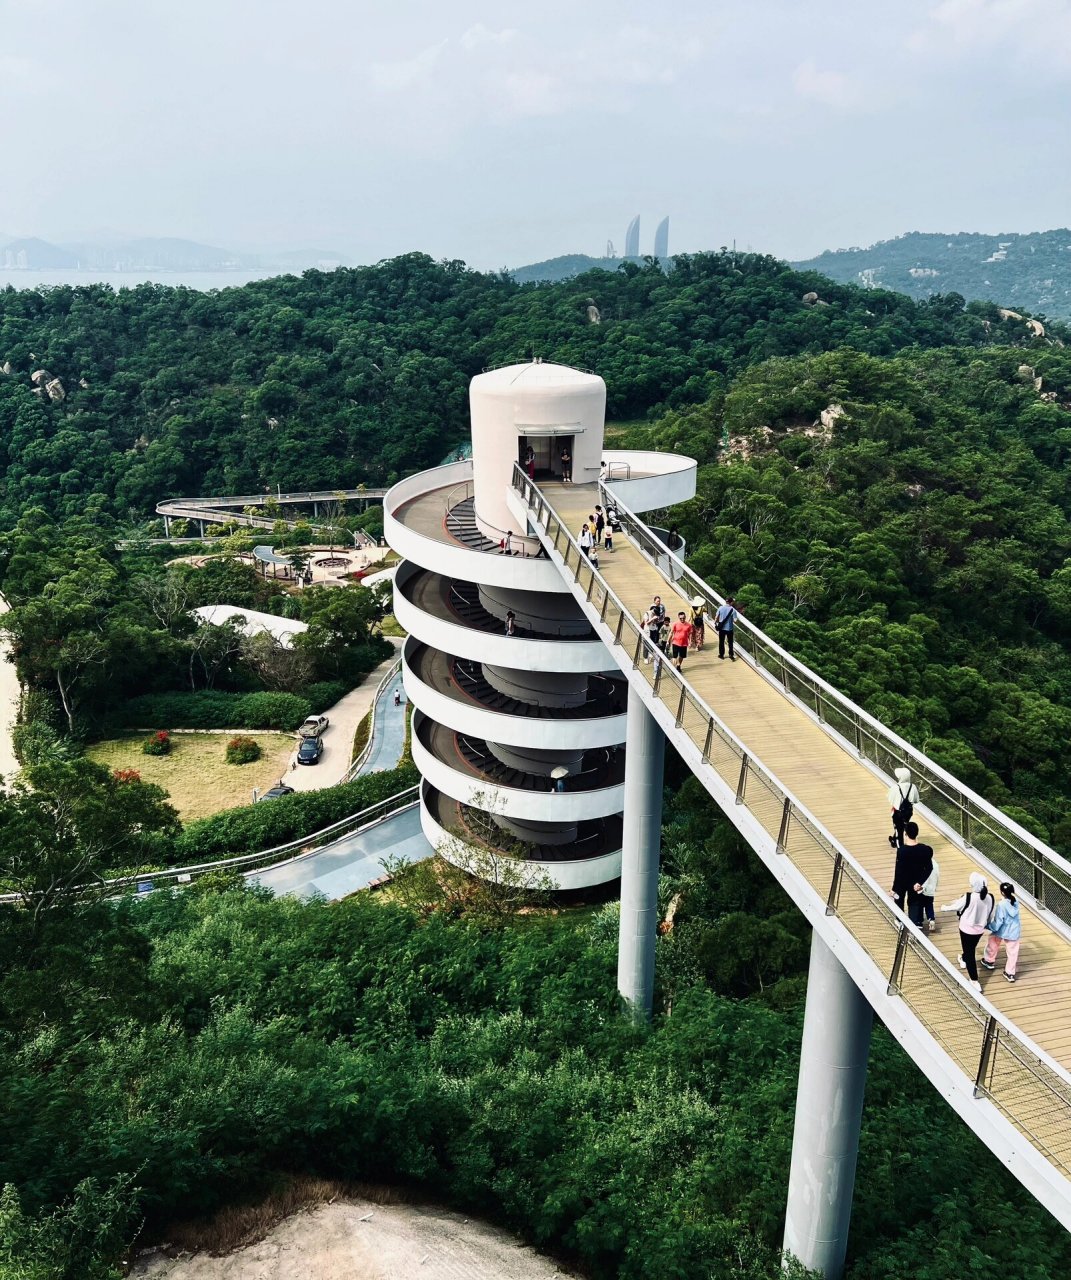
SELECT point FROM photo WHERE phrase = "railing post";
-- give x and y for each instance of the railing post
(784, 676)
(858, 735)
(1038, 878)
(965, 823)
(989, 1045)
(605, 602)
(591, 586)
(620, 627)
(782, 832)
(680, 708)
(897, 975)
(709, 742)
(639, 650)
(833, 897)
(741, 784)
(657, 678)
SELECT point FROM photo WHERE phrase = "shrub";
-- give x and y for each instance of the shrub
(325, 693)
(126, 775)
(242, 751)
(211, 709)
(157, 744)
(262, 826)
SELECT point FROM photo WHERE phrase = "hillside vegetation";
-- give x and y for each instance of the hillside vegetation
(886, 486)
(1031, 272)
(358, 376)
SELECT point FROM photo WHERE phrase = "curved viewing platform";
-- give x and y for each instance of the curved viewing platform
(464, 767)
(453, 691)
(457, 829)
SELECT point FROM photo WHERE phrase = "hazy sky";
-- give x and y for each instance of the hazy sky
(504, 133)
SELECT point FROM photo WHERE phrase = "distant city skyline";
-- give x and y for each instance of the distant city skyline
(503, 136)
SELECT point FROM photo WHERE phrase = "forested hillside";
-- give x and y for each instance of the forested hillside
(334, 379)
(1029, 271)
(885, 484)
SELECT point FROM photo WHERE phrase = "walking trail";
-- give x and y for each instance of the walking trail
(9, 705)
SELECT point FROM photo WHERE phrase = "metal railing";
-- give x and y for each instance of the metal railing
(259, 861)
(361, 757)
(1021, 856)
(1024, 1082)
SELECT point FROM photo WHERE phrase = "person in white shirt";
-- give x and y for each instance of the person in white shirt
(903, 796)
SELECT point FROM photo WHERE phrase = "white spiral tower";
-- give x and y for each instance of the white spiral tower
(519, 738)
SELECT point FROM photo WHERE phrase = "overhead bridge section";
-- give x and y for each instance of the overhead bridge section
(802, 773)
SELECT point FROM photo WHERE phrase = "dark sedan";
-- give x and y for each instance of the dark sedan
(310, 751)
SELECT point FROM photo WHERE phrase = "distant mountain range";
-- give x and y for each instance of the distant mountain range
(29, 253)
(1028, 270)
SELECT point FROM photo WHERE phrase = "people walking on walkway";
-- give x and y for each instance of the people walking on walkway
(699, 622)
(903, 796)
(586, 539)
(1006, 927)
(914, 863)
(680, 634)
(608, 537)
(724, 621)
(974, 909)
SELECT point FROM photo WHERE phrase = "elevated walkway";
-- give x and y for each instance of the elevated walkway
(803, 774)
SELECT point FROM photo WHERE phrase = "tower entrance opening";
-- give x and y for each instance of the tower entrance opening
(547, 447)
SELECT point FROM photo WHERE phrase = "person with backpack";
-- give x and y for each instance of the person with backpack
(699, 622)
(600, 524)
(723, 624)
(903, 796)
(974, 909)
(1004, 927)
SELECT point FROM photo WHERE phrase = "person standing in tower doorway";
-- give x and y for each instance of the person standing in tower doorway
(529, 462)
(724, 621)
(903, 795)
(567, 465)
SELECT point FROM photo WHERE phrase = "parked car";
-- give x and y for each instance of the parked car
(280, 789)
(310, 751)
(313, 726)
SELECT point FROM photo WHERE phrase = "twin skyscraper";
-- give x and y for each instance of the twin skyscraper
(661, 239)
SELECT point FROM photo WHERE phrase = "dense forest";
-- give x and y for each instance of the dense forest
(1030, 270)
(358, 376)
(884, 483)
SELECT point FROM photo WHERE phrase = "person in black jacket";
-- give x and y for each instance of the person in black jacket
(914, 862)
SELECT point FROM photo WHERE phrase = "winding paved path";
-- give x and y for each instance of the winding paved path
(10, 695)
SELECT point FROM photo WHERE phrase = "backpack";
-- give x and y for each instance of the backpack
(906, 808)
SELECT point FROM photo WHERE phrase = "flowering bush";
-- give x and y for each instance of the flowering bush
(157, 744)
(242, 750)
(126, 775)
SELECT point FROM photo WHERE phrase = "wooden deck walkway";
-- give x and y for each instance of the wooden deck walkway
(842, 793)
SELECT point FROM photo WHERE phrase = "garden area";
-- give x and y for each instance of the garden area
(195, 772)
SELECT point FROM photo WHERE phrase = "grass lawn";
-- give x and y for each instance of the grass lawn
(195, 775)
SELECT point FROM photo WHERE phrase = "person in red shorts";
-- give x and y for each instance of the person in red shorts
(680, 636)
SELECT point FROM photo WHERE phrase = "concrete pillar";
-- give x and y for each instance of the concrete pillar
(829, 1109)
(167, 526)
(644, 755)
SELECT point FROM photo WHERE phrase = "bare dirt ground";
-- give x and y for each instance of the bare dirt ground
(361, 1240)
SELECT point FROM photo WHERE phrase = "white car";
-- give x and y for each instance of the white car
(313, 726)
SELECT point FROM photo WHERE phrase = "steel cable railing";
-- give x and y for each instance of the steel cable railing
(1023, 858)
(1024, 1082)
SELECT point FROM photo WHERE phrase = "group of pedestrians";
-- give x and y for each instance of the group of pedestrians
(916, 876)
(598, 533)
(675, 636)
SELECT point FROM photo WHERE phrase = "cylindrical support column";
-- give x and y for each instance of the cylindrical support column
(829, 1110)
(644, 756)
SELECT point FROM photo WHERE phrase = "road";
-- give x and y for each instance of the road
(351, 863)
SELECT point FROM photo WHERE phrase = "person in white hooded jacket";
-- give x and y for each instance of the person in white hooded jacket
(974, 909)
(903, 796)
